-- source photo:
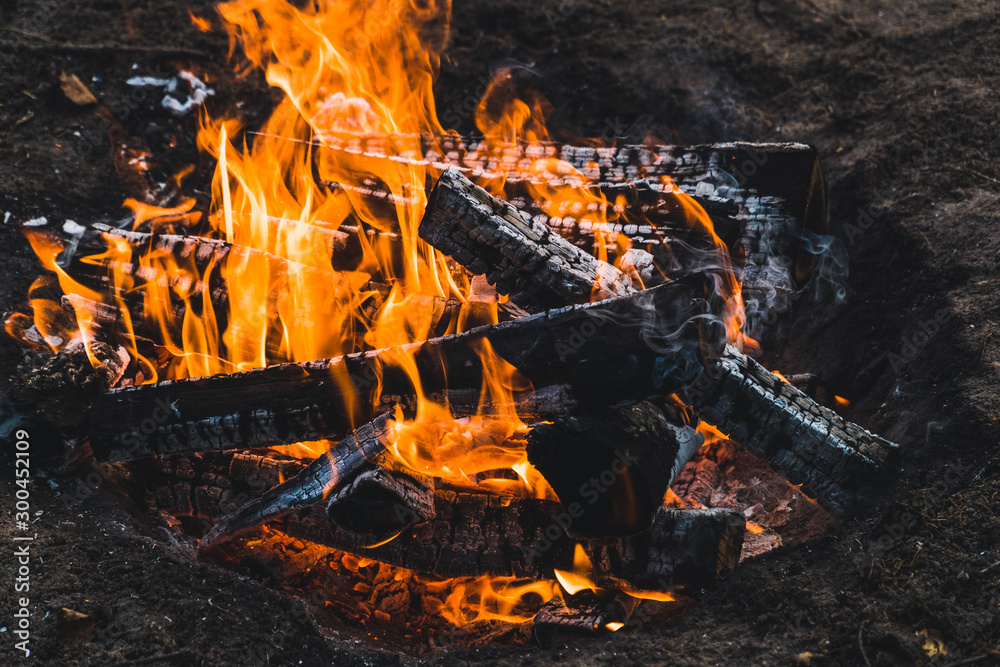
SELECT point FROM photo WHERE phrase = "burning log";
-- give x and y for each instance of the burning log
(559, 623)
(757, 195)
(381, 503)
(601, 351)
(466, 534)
(612, 467)
(834, 460)
(475, 534)
(539, 269)
(446, 315)
(490, 237)
(208, 259)
(361, 451)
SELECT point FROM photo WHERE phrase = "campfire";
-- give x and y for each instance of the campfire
(476, 387)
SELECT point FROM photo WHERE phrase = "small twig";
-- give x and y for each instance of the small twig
(49, 45)
(979, 174)
(861, 643)
(989, 567)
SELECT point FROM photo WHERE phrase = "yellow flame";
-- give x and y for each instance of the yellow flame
(293, 198)
(581, 577)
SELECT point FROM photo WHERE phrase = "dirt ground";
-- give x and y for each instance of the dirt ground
(900, 98)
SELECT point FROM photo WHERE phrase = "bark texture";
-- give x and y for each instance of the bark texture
(834, 460)
(490, 237)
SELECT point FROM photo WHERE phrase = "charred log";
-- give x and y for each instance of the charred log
(470, 533)
(475, 534)
(611, 468)
(381, 503)
(635, 447)
(602, 350)
(682, 548)
(562, 623)
(323, 476)
(757, 195)
(490, 237)
(200, 286)
(805, 442)
(835, 461)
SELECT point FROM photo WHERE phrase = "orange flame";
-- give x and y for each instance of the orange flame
(288, 201)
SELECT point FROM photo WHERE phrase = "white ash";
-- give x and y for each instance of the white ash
(37, 222)
(199, 91)
(73, 227)
(639, 262)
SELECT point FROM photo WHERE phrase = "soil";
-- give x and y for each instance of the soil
(900, 100)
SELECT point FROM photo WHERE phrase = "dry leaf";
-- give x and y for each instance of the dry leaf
(74, 89)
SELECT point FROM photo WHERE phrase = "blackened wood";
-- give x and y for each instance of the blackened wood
(322, 477)
(603, 350)
(559, 622)
(757, 194)
(474, 534)
(471, 533)
(53, 392)
(209, 485)
(381, 502)
(212, 259)
(611, 467)
(696, 482)
(834, 460)
(490, 237)
(682, 548)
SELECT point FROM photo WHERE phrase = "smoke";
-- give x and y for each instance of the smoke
(677, 321)
(770, 285)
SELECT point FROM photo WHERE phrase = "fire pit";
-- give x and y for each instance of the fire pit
(495, 388)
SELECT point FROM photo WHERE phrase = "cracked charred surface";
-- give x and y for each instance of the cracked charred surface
(833, 459)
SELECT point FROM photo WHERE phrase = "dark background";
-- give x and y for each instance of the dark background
(900, 98)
